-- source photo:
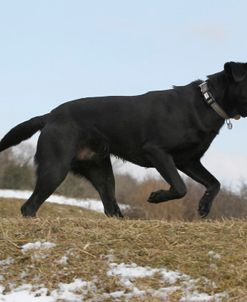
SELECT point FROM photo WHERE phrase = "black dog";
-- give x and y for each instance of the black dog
(167, 130)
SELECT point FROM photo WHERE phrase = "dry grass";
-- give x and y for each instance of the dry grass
(10, 208)
(88, 239)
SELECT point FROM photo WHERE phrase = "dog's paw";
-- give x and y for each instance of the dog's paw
(204, 208)
(114, 212)
(158, 196)
(27, 212)
(118, 213)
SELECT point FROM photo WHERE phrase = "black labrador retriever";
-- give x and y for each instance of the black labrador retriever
(167, 130)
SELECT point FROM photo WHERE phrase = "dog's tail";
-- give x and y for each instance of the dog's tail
(23, 131)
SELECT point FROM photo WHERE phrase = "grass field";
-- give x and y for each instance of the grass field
(122, 260)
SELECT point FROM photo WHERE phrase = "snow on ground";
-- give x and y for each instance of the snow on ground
(127, 274)
(90, 204)
(214, 256)
(7, 261)
(37, 245)
(39, 249)
(73, 292)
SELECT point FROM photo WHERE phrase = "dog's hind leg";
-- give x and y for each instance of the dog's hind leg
(196, 171)
(53, 159)
(100, 174)
(164, 164)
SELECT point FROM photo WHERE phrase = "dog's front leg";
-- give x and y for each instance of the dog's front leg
(200, 174)
(164, 164)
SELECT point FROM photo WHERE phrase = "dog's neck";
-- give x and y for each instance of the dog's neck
(210, 100)
(218, 85)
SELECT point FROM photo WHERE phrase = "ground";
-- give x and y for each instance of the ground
(80, 255)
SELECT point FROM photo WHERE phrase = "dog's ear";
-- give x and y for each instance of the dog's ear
(236, 71)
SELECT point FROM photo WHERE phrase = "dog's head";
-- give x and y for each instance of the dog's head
(237, 89)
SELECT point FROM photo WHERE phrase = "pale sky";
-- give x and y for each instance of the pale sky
(59, 50)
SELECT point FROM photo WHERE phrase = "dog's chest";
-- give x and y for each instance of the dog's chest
(193, 146)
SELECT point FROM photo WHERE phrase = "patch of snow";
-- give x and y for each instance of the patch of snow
(25, 293)
(63, 260)
(171, 277)
(202, 297)
(127, 273)
(73, 292)
(131, 271)
(90, 204)
(76, 285)
(66, 292)
(7, 261)
(214, 255)
(117, 294)
(38, 255)
(37, 245)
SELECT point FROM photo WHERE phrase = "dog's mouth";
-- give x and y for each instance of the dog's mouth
(237, 117)
(242, 113)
